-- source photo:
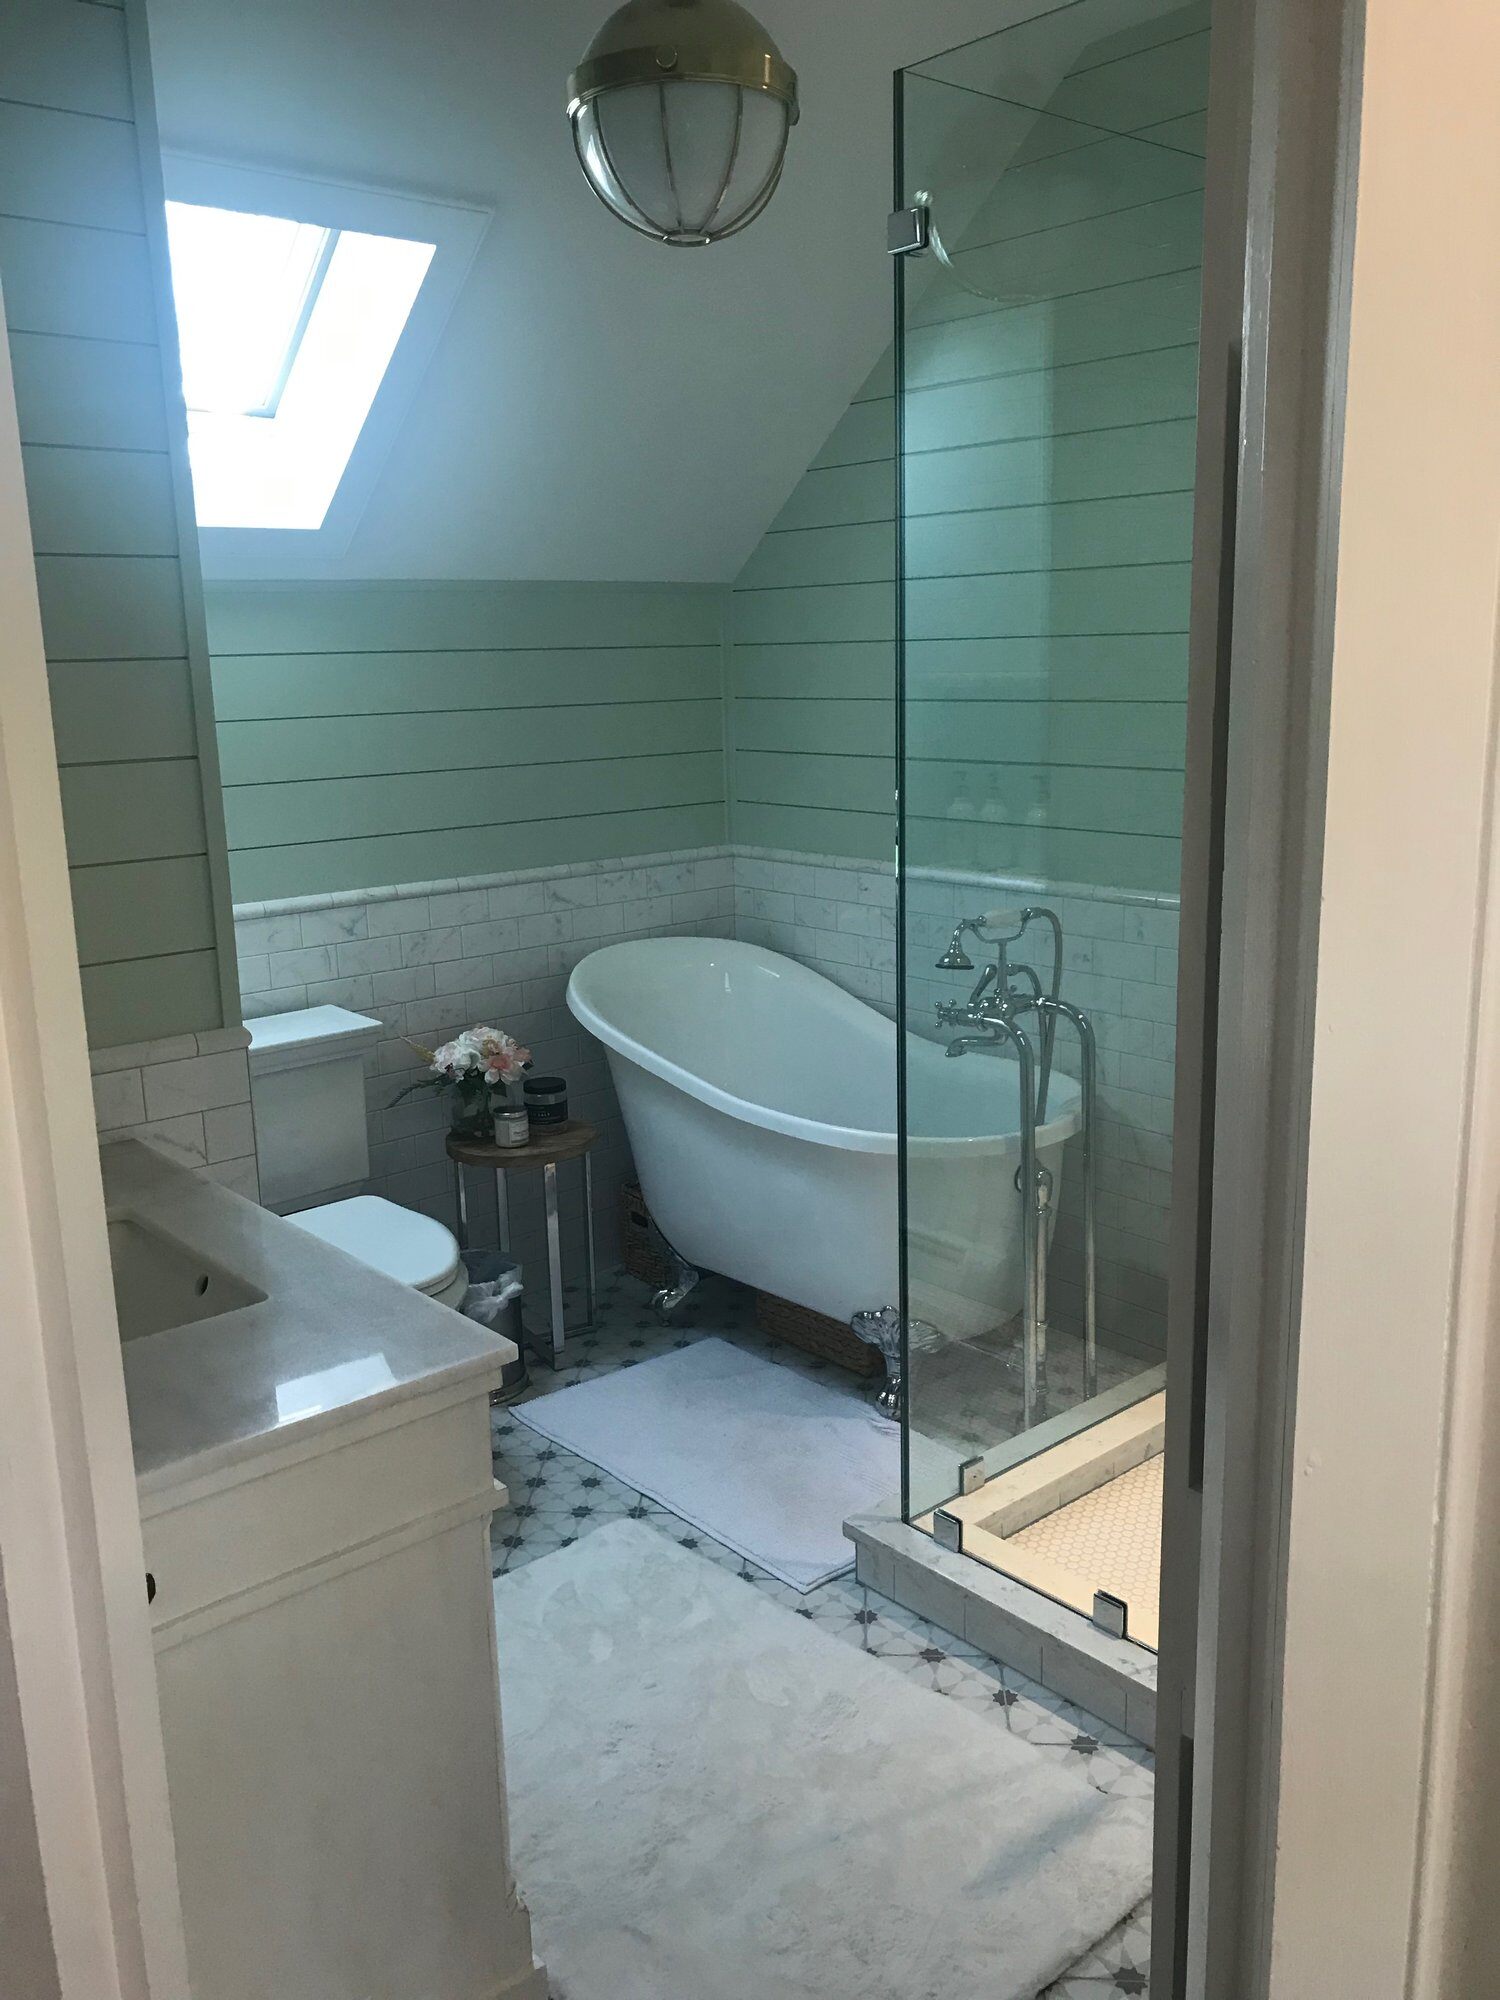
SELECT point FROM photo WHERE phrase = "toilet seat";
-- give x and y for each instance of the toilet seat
(409, 1247)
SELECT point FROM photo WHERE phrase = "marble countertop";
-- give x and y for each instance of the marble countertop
(332, 1339)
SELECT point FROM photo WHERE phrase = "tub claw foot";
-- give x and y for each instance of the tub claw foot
(881, 1329)
(667, 1301)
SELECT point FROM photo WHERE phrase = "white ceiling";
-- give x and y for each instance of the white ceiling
(600, 407)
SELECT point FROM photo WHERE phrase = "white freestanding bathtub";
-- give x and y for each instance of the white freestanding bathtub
(760, 1100)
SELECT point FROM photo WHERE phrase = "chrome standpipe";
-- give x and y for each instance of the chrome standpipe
(994, 1005)
(1038, 1222)
(999, 1021)
(1089, 1088)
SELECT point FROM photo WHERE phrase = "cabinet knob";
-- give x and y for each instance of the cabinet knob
(150, 1588)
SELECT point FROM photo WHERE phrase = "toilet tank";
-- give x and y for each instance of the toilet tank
(307, 1085)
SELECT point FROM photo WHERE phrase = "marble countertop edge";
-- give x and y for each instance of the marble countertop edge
(331, 1343)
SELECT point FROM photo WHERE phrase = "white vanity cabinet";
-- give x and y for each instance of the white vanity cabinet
(326, 1660)
(312, 1455)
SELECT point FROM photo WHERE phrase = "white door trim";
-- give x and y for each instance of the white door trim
(1391, 1315)
(69, 1526)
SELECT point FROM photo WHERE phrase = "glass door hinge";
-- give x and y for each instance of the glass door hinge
(908, 231)
(1111, 1614)
(947, 1530)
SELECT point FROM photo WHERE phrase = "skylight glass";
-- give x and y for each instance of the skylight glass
(286, 329)
(245, 286)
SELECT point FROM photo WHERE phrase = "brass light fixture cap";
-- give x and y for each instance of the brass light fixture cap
(703, 41)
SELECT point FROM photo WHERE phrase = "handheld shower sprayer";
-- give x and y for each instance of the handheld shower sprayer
(1010, 922)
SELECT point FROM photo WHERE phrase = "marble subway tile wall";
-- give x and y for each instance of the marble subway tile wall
(188, 1096)
(1119, 966)
(429, 959)
(837, 916)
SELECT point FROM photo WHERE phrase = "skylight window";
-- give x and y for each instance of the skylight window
(309, 312)
(246, 286)
(287, 328)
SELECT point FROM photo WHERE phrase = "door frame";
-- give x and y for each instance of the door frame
(1317, 1681)
(70, 1534)
(1385, 1771)
(1284, 98)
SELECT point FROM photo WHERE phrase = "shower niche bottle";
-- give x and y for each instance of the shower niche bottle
(963, 812)
(995, 818)
(1034, 833)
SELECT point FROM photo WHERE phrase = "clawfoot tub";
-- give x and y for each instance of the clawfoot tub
(760, 1101)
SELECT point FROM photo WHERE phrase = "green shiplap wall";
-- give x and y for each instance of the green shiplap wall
(812, 665)
(378, 733)
(1048, 467)
(87, 308)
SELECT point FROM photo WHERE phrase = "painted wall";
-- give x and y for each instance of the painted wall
(374, 735)
(1048, 474)
(92, 341)
(646, 423)
(429, 789)
(395, 741)
(812, 662)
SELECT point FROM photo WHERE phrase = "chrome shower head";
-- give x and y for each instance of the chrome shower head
(955, 958)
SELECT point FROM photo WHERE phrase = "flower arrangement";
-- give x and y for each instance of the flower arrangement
(471, 1066)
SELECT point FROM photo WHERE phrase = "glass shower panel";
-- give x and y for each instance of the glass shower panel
(1047, 354)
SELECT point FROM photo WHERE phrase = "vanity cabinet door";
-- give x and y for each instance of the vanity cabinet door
(333, 1737)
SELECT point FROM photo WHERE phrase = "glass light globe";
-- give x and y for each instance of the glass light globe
(681, 112)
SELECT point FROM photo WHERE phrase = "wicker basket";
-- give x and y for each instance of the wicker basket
(815, 1333)
(642, 1251)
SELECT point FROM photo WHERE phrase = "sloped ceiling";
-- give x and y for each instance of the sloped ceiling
(600, 407)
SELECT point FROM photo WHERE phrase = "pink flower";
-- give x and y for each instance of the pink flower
(489, 1052)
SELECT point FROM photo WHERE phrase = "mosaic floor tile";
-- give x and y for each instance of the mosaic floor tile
(557, 1498)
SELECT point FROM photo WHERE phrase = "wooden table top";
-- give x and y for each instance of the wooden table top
(549, 1146)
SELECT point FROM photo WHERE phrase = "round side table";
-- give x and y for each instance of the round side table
(549, 1148)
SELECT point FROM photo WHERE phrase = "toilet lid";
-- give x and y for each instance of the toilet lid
(411, 1248)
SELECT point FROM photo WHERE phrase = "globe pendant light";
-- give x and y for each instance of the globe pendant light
(680, 112)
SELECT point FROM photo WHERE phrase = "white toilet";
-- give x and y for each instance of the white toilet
(307, 1082)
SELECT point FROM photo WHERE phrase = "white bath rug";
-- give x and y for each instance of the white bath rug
(712, 1799)
(754, 1454)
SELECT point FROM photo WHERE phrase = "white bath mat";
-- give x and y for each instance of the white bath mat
(754, 1454)
(712, 1799)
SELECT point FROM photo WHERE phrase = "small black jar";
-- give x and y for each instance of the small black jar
(546, 1101)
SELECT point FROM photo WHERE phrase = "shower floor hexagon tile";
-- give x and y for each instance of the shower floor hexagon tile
(556, 1498)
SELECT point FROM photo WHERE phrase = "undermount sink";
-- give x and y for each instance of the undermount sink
(160, 1284)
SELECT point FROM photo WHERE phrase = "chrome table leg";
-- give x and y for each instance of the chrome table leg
(462, 1199)
(554, 1262)
(590, 1271)
(502, 1213)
